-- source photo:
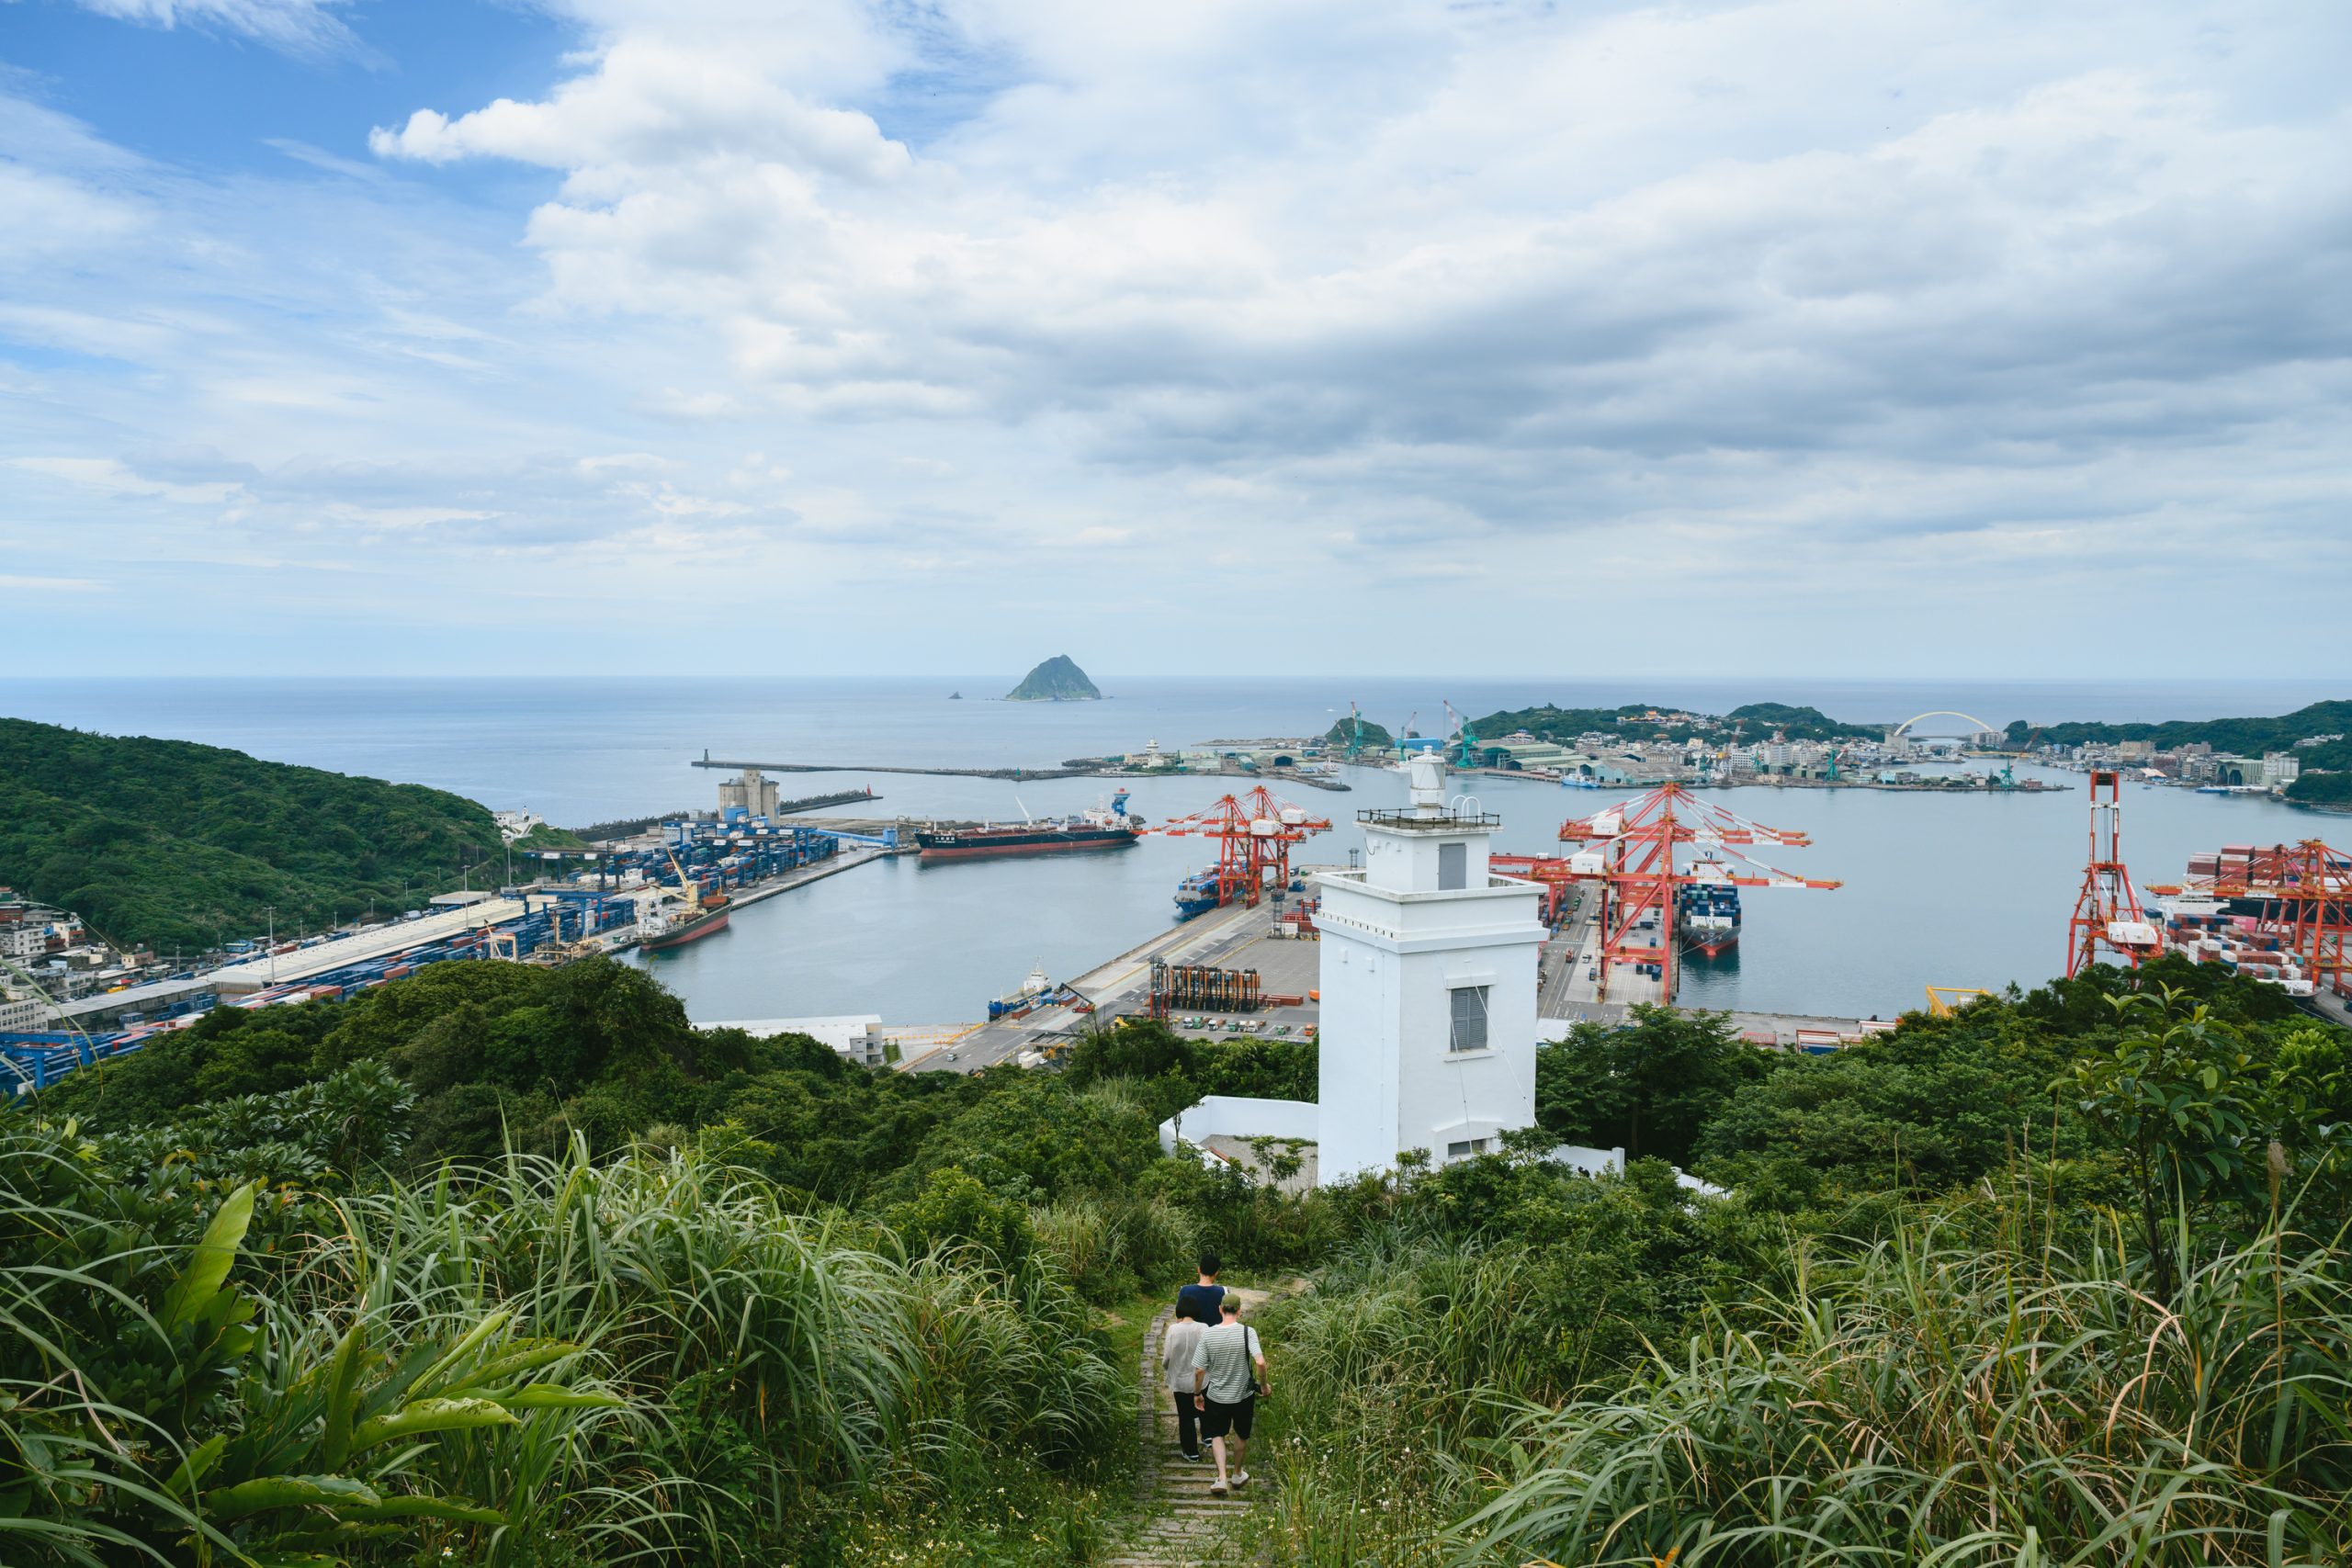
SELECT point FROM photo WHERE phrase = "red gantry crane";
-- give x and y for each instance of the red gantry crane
(2107, 911)
(1254, 835)
(1631, 853)
(2302, 895)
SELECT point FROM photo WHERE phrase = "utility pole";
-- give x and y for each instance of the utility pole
(272, 909)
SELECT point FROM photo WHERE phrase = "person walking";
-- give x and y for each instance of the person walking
(1177, 1342)
(1228, 1377)
(1198, 1302)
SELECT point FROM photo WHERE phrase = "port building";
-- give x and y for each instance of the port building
(751, 794)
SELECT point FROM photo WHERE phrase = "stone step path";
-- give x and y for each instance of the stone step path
(1178, 1523)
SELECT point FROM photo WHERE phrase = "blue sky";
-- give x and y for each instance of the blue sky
(1812, 336)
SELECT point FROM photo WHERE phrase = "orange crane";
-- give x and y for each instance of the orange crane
(2304, 893)
(1631, 853)
(1254, 835)
(2107, 911)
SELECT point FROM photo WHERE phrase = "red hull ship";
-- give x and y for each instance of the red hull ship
(709, 923)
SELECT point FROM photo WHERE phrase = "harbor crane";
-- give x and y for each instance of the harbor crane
(1254, 834)
(2303, 892)
(1355, 731)
(2107, 911)
(1406, 734)
(1458, 725)
(1631, 851)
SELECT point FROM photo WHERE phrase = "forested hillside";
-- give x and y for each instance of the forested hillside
(2241, 737)
(183, 846)
(511, 1265)
(1751, 721)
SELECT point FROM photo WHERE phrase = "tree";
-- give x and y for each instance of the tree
(2169, 1092)
(1648, 1086)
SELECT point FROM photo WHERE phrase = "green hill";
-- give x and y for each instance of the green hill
(2327, 767)
(2241, 737)
(1058, 680)
(185, 846)
(1751, 721)
(1376, 736)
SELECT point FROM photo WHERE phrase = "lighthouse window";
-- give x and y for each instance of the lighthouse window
(1469, 1018)
(1462, 1148)
(1453, 867)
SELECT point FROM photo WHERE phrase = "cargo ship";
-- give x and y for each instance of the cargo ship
(1707, 910)
(1034, 990)
(1196, 895)
(691, 924)
(1102, 828)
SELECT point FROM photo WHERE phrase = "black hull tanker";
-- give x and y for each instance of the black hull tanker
(1102, 829)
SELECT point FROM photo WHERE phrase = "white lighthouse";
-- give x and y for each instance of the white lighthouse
(1428, 1024)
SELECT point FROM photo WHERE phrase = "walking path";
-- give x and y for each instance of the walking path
(1180, 1524)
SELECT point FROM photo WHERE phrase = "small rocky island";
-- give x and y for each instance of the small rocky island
(1058, 680)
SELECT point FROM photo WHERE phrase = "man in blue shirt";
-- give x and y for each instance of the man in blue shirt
(1200, 1302)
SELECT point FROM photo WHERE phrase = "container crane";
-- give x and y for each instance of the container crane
(1631, 852)
(2303, 892)
(1254, 835)
(1355, 731)
(2107, 911)
(1405, 734)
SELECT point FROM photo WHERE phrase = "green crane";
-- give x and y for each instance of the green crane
(1462, 723)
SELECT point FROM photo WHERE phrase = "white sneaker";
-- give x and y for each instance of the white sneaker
(1240, 1481)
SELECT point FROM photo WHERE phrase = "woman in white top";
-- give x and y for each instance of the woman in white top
(1177, 1342)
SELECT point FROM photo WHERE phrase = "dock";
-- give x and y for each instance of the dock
(1017, 775)
(1235, 937)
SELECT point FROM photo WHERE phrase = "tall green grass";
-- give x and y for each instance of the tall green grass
(731, 1381)
(1400, 1360)
(1949, 1404)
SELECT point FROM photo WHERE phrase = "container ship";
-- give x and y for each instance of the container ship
(1196, 895)
(1104, 828)
(1707, 910)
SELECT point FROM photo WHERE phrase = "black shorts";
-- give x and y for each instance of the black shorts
(1219, 1420)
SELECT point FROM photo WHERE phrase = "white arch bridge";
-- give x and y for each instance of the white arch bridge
(1982, 728)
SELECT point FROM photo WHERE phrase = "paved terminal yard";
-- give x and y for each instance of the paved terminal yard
(1235, 938)
(1244, 939)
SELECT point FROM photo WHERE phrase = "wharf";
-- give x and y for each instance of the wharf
(1233, 938)
(799, 876)
(818, 802)
(1016, 774)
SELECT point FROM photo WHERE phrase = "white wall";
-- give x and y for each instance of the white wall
(1357, 1062)
(1387, 1081)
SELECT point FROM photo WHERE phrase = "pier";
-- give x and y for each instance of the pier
(1016, 774)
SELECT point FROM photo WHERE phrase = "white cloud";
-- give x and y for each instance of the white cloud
(1859, 307)
(299, 26)
(52, 584)
(113, 477)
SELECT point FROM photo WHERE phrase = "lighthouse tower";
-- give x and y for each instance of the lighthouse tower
(1427, 1025)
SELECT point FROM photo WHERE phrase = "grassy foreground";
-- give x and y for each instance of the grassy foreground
(511, 1266)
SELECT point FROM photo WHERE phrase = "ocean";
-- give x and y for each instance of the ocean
(1957, 891)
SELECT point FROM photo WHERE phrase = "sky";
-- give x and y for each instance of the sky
(1830, 337)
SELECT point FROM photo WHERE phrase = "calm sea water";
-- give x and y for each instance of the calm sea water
(1960, 891)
